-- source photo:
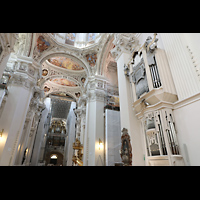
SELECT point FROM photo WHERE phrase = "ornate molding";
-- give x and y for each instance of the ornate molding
(7, 41)
(96, 95)
(23, 44)
(124, 42)
(23, 81)
(57, 72)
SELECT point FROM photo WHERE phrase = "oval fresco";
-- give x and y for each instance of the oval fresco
(66, 63)
(63, 81)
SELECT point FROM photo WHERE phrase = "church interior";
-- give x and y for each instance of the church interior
(99, 99)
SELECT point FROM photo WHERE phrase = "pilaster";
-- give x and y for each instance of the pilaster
(124, 45)
(94, 129)
(23, 78)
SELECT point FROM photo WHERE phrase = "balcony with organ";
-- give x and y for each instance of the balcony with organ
(153, 93)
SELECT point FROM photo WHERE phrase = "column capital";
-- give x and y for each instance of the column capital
(124, 43)
(23, 69)
(96, 88)
(21, 80)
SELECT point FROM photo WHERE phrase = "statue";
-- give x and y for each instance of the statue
(151, 45)
(126, 149)
(124, 152)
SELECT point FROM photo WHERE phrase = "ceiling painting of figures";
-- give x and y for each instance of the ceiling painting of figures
(66, 63)
(63, 81)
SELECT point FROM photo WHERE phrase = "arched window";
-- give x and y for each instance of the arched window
(53, 159)
(54, 156)
(70, 38)
(91, 37)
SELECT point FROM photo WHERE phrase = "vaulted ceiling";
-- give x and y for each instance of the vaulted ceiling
(66, 63)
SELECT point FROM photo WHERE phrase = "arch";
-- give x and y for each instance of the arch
(104, 55)
(62, 76)
(66, 92)
(83, 63)
(60, 157)
(54, 156)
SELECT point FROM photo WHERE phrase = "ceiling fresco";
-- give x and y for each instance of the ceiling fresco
(66, 63)
(63, 81)
(42, 44)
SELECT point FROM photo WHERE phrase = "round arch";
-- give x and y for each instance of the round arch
(59, 156)
(62, 76)
(104, 55)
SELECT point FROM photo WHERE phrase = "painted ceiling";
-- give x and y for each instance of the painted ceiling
(63, 81)
(66, 63)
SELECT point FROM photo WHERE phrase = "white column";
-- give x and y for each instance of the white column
(94, 130)
(183, 72)
(14, 112)
(122, 53)
(12, 120)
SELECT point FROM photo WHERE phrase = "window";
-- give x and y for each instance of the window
(70, 38)
(54, 156)
(91, 37)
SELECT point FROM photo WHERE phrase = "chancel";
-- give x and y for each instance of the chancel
(99, 99)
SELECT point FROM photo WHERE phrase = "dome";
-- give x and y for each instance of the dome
(79, 40)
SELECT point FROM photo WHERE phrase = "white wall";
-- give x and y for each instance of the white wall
(187, 123)
(181, 66)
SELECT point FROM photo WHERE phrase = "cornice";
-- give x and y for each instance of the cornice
(174, 106)
(124, 43)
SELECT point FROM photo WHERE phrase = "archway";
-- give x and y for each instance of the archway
(54, 158)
